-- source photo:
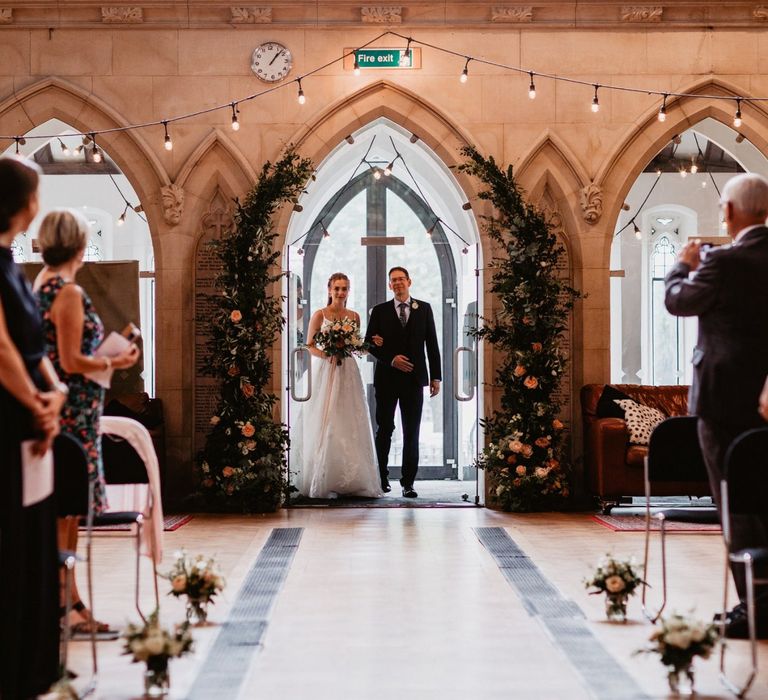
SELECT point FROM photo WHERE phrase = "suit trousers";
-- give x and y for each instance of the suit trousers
(410, 397)
(746, 531)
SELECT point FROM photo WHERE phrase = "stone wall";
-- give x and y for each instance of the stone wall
(96, 73)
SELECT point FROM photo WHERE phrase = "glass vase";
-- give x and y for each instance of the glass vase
(616, 607)
(681, 680)
(157, 681)
(197, 611)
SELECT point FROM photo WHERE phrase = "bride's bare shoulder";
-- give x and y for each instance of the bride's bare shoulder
(354, 315)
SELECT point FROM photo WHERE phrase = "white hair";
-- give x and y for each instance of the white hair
(748, 193)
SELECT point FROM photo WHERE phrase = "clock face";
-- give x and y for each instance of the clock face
(271, 62)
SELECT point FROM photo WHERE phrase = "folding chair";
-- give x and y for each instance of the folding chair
(124, 466)
(742, 494)
(673, 455)
(74, 497)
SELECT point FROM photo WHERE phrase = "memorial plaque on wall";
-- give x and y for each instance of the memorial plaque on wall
(113, 287)
(207, 266)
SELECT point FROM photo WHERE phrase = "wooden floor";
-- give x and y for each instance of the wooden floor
(406, 603)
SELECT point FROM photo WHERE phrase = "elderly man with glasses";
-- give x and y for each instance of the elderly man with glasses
(729, 295)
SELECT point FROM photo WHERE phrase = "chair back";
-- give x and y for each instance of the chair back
(122, 464)
(746, 469)
(674, 453)
(70, 474)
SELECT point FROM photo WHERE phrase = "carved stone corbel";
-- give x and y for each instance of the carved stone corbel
(122, 15)
(512, 14)
(173, 203)
(592, 203)
(641, 13)
(382, 15)
(6, 15)
(251, 15)
(760, 12)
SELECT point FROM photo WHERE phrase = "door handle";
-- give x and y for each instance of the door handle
(292, 370)
(456, 393)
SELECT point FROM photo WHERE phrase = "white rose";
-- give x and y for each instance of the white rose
(698, 632)
(155, 644)
(615, 584)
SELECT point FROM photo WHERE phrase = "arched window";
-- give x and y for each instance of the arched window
(665, 329)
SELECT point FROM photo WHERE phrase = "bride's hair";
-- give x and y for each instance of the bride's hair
(336, 276)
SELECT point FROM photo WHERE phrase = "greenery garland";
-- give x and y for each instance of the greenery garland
(243, 460)
(524, 438)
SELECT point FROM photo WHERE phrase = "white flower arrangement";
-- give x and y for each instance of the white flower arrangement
(615, 576)
(197, 577)
(151, 640)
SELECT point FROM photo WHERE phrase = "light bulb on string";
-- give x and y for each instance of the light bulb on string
(17, 140)
(300, 97)
(121, 218)
(235, 120)
(388, 169)
(532, 88)
(683, 172)
(168, 143)
(596, 101)
(405, 56)
(356, 67)
(737, 116)
(694, 167)
(663, 110)
(326, 232)
(376, 174)
(638, 232)
(465, 73)
(431, 229)
(64, 148)
(95, 152)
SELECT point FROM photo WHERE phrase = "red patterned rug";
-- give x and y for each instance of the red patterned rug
(636, 523)
(170, 523)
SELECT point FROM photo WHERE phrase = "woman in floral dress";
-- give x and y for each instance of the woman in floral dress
(73, 331)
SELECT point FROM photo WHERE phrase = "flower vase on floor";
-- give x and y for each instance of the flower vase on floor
(157, 681)
(616, 606)
(197, 611)
(681, 680)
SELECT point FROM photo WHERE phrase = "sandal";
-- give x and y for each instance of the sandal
(81, 631)
(80, 609)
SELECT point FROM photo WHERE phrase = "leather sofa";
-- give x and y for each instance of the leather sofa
(613, 467)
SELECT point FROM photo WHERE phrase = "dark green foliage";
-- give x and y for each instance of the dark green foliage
(243, 462)
(523, 455)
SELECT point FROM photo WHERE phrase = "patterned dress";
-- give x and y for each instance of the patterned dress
(81, 415)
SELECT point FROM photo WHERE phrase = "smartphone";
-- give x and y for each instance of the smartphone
(703, 250)
(131, 332)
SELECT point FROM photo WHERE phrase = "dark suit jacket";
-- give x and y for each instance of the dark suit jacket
(411, 341)
(729, 294)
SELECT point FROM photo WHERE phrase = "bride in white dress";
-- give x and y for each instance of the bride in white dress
(332, 442)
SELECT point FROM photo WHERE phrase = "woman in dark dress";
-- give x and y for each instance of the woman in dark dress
(73, 331)
(29, 588)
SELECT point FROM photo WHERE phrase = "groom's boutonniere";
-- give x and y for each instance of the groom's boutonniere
(414, 305)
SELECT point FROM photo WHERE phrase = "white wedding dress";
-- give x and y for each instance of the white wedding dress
(332, 450)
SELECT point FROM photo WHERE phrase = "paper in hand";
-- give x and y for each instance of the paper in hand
(112, 345)
(37, 474)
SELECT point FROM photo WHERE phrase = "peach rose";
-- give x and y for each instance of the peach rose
(536, 347)
(557, 425)
(250, 445)
(179, 583)
(207, 483)
(527, 451)
(227, 472)
(542, 442)
(531, 382)
(215, 420)
(346, 328)
(233, 370)
(248, 390)
(519, 371)
(235, 316)
(515, 445)
(511, 459)
(553, 464)
(520, 471)
(541, 472)
(248, 430)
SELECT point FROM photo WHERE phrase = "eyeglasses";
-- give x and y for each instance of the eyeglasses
(398, 279)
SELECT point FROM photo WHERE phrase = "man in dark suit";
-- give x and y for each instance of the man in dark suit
(729, 294)
(408, 328)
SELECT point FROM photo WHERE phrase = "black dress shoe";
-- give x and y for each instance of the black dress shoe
(736, 613)
(739, 628)
(385, 487)
(408, 492)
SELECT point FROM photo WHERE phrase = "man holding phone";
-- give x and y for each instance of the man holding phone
(729, 295)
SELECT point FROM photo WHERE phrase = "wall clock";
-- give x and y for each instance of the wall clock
(271, 61)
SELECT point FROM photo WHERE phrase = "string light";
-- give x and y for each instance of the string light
(376, 174)
(694, 167)
(388, 169)
(95, 152)
(168, 142)
(595, 101)
(414, 138)
(349, 139)
(532, 88)
(464, 250)
(17, 139)
(64, 148)
(326, 232)
(431, 229)
(683, 173)
(405, 57)
(663, 110)
(638, 232)
(356, 68)
(465, 73)
(235, 120)
(300, 97)
(739, 138)
(737, 116)
(121, 218)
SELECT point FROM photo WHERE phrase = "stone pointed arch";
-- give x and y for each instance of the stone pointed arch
(648, 136)
(55, 98)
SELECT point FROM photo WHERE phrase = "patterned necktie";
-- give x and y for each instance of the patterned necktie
(403, 318)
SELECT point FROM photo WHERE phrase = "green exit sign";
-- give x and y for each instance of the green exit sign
(401, 59)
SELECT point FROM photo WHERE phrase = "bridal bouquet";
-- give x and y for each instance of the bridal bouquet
(341, 339)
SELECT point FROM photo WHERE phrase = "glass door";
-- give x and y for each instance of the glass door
(371, 225)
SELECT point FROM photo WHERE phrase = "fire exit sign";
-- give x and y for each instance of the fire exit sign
(390, 59)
